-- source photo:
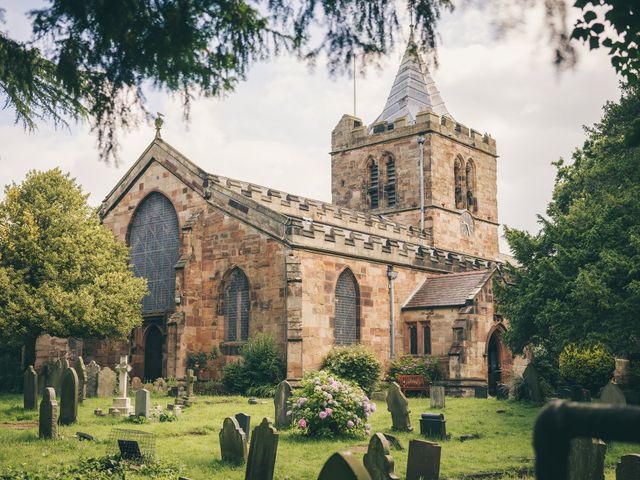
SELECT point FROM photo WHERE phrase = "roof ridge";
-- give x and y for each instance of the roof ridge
(460, 274)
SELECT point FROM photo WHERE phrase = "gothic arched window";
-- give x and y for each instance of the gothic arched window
(390, 187)
(458, 177)
(154, 240)
(347, 321)
(472, 202)
(374, 184)
(236, 305)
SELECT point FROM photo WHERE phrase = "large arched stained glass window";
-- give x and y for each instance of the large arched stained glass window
(347, 322)
(236, 306)
(154, 240)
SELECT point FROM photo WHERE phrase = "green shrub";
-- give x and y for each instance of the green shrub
(326, 407)
(355, 363)
(210, 387)
(234, 378)
(427, 366)
(590, 366)
(264, 391)
(167, 417)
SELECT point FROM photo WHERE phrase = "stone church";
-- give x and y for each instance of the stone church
(402, 260)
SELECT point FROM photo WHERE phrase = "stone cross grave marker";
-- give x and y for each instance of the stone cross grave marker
(532, 383)
(30, 400)
(378, 461)
(48, 421)
(244, 421)
(93, 369)
(122, 403)
(436, 396)
(424, 460)
(143, 403)
(233, 442)
(106, 382)
(136, 384)
(262, 454)
(586, 459)
(612, 394)
(282, 404)
(628, 467)
(81, 371)
(398, 405)
(191, 380)
(69, 397)
(343, 466)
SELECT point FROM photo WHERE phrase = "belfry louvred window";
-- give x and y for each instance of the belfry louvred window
(347, 309)
(374, 185)
(236, 306)
(390, 187)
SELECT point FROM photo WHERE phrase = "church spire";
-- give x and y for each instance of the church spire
(413, 90)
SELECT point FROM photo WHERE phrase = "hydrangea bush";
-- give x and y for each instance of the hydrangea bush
(327, 406)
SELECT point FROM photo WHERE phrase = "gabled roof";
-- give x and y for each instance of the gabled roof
(450, 290)
(413, 90)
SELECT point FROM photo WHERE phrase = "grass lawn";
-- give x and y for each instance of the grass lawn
(192, 442)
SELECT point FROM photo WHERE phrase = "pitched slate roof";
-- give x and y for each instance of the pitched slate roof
(413, 90)
(449, 290)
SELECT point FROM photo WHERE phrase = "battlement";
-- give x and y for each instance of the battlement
(350, 133)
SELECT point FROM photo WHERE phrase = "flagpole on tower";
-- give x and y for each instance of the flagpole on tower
(354, 84)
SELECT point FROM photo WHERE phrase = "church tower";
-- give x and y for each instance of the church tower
(418, 166)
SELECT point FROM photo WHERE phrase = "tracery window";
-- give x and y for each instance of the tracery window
(154, 240)
(347, 319)
(236, 306)
(374, 184)
(390, 187)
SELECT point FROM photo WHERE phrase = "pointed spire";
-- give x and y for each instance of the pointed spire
(413, 90)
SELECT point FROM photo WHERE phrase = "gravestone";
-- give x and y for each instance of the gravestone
(262, 454)
(233, 442)
(481, 392)
(93, 369)
(436, 396)
(282, 404)
(586, 459)
(398, 405)
(69, 397)
(160, 386)
(532, 383)
(189, 398)
(106, 382)
(424, 460)
(343, 466)
(81, 371)
(628, 467)
(48, 421)
(612, 394)
(244, 421)
(143, 403)
(433, 425)
(378, 461)
(54, 375)
(122, 403)
(136, 384)
(30, 400)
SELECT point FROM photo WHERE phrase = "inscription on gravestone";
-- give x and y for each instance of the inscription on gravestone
(106, 382)
(48, 421)
(424, 460)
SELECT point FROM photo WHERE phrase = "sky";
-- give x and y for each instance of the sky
(275, 129)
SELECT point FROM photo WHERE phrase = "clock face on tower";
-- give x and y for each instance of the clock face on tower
(466, 224)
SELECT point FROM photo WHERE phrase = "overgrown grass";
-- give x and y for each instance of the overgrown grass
(192, 445)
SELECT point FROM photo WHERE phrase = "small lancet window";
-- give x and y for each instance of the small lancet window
(472, 202)
(236, 306)
(458, 176)
(390, 187)
(374, 185)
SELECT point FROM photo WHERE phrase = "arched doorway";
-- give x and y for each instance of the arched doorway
(494, 357)
(153, 354)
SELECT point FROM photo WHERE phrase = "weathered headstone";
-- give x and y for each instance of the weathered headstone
(532, 383)
(586, 459)
(69, 397)
(398, 405)
(81, 371)
(262, 454)
(54, 375)
(628, 467)
(233, 442)
(282, 404)
(136, 384)
(424, 460)
(30, 400)
(378, 461)
(244, 421)
(48, 421)
(106, 382)
(93, 369)
(343, 466)
(612, 394)
(143, 403)
(436, 396)
(122, 403)
(160, 386)
(191, 379)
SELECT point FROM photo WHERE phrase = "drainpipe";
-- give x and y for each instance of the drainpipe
(421, 140)
(391, 275)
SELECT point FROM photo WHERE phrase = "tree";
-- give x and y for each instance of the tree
(99, 54)
(579, 277)
(61, 271)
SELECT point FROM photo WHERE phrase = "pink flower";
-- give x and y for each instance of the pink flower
(302, 423)
(350, 424)
(372, 407)
(322, 415)
(329, 411)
